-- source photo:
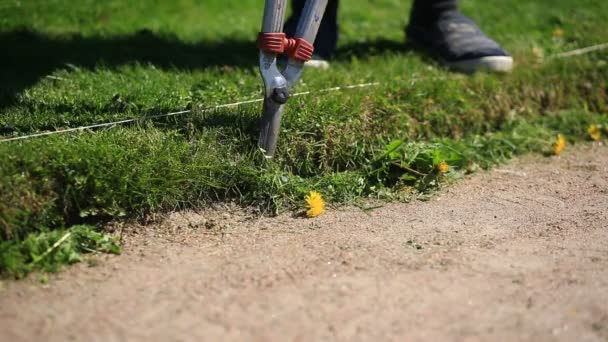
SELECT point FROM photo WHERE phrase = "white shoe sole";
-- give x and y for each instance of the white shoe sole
(317, 64)
(499, 64)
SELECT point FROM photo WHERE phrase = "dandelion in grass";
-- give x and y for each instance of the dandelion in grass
(315, 203)
(558, 32)
(443, 167)
(594, 132)
(559, 145)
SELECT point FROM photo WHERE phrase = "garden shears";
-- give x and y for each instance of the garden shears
(278, 81)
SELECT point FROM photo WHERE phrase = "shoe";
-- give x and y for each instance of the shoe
(459, 44)
(317, 62)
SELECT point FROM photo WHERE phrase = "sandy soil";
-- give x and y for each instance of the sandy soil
(518, 253)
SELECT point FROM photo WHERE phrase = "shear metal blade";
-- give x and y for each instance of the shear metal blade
(270, 126)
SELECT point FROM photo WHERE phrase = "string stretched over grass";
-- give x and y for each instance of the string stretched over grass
(581, 51)
(208, 109)
(571, 53)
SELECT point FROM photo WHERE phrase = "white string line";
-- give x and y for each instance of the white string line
(566, 54)
(581, 51)
(82, 128)
(225, 105)
(326, 90)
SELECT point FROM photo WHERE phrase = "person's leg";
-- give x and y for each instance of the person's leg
(327, 38)
(439, 28)
(435, 25)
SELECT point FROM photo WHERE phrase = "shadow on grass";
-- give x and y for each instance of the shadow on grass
(372, 48)
(28, 56)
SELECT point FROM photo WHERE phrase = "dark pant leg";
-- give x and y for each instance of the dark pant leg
(327, 38)
(427, 11)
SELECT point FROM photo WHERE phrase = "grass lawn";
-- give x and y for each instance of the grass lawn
(71, 63)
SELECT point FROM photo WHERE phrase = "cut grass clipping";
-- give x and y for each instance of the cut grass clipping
(402, 139)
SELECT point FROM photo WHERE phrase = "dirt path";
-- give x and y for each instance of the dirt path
(519, 253)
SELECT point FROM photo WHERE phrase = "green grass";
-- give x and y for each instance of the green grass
(66, 64)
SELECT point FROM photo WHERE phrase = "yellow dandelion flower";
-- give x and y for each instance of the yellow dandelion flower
(443, 167)
(559, 145)
(429, 101)
(558, 32)
(594, 132)
(316, 204)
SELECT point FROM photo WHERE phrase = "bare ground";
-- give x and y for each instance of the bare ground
(518, 253)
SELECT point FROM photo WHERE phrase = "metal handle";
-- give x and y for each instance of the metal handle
(310, 20)
(277, 83)
(274, 14)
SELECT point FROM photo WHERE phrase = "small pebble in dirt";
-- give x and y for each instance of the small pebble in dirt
(210, 224)
(598, 326)
(92, 262)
